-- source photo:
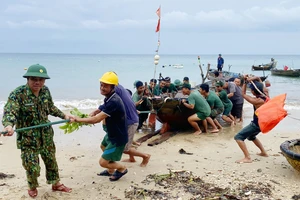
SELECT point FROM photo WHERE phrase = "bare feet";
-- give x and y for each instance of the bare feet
(136, 143)
(244, 160)
(197, 132)
(145, 160)
(263, 154)
(215, 131)
(232, 124)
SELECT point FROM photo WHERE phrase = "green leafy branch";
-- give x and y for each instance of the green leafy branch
(74, 126)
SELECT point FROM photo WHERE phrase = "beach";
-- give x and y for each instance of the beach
(213, 160)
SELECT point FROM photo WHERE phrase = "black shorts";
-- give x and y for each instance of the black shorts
(237, 110)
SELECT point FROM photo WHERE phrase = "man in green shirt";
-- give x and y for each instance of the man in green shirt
(30, 105)
(215, 104)
(142, 103)
(169, 87)
(199, 104)
(157, 91)
(226, 102)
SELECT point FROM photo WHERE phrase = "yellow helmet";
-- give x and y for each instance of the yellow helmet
(110, 78)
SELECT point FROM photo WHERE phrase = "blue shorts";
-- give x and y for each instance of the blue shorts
(249, 132)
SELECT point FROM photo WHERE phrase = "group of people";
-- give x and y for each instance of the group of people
(31, 104)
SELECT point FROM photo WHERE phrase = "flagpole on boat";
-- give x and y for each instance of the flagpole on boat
(156, 57)
(152, 117)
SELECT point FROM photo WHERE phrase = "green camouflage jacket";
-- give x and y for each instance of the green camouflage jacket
(24, 109)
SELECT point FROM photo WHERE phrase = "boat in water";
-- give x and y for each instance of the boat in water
(178, 66)
(265, 67)
(287, 72)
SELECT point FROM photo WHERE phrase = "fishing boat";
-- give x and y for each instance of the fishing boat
(226, 75)
(264, 67)
(178, 66)
(291, 151)
(287, 72)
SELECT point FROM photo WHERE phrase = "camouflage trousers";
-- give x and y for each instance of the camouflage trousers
(31, 163)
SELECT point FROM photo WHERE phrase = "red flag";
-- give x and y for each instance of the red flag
(158, 26)
(158, 12)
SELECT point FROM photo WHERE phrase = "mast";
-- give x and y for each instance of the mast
(156, 57)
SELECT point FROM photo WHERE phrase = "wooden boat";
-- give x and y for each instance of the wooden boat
(224, 74)
(264, 67)
(291, 151)
(173, 112)
(289, 72)
(261, 67)
(178, 66)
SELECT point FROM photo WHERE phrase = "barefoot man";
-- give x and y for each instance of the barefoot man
(249, 132)
(199, 104)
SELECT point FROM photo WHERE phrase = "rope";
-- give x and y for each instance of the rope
(38, 126)
(258, 89)
(294, 118)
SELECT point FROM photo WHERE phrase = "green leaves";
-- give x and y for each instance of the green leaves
(74, 126)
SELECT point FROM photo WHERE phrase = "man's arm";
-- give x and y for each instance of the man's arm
(92, 120)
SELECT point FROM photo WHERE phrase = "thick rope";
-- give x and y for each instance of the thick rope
(38, 126)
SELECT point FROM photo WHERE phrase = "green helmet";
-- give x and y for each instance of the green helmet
(36, 70)
(177, 82)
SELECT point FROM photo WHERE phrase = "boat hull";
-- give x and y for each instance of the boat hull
(173, 112)
(261, 67)
(290, 73)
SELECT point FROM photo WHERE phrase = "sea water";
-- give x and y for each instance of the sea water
(75, 77)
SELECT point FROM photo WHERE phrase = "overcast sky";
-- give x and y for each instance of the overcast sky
(128, 26)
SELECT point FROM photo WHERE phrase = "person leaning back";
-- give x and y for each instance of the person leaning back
(30, 105)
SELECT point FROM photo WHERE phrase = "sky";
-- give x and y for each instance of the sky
(128, 26)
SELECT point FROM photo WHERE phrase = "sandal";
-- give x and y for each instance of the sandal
(61, 188)
(117, 175)
(105, 173)
(33, 193)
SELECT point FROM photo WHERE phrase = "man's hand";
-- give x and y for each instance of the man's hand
(10, 131)
(183, 100)
(70, 117)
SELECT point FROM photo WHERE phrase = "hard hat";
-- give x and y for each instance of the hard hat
(110, 78)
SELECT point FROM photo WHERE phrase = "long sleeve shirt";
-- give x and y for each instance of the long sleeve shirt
(24, 109)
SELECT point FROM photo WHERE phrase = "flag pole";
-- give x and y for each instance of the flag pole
(156, 57)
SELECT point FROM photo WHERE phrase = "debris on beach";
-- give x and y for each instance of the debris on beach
(182, 151)
(182, 184)
(296, 197)
(3, 176)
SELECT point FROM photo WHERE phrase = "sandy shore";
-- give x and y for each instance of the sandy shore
(213, 160)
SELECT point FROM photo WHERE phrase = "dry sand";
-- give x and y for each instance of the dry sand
(213, 160)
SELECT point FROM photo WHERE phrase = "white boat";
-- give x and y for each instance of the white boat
(178, 66)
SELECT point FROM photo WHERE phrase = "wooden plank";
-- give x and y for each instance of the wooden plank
(148, 136)
(162, 138)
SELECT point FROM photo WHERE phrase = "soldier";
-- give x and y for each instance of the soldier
(30, 105)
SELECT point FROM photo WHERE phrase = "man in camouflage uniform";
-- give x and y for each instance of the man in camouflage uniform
(30, 105)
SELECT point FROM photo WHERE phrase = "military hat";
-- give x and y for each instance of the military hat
(36, 70)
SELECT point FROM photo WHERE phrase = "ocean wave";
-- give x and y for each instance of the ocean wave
(86, 104)
(83, 104)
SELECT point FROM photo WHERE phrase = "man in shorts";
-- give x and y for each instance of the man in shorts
(252, 130)
(215, 104)
(115, 117)
(199, 104)
(132, 124)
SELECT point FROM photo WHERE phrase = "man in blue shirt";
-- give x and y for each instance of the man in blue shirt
(115, 117)
(220, 63)
(132, 124)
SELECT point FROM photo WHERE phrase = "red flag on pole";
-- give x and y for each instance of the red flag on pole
(158, 26)
(158, 12)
